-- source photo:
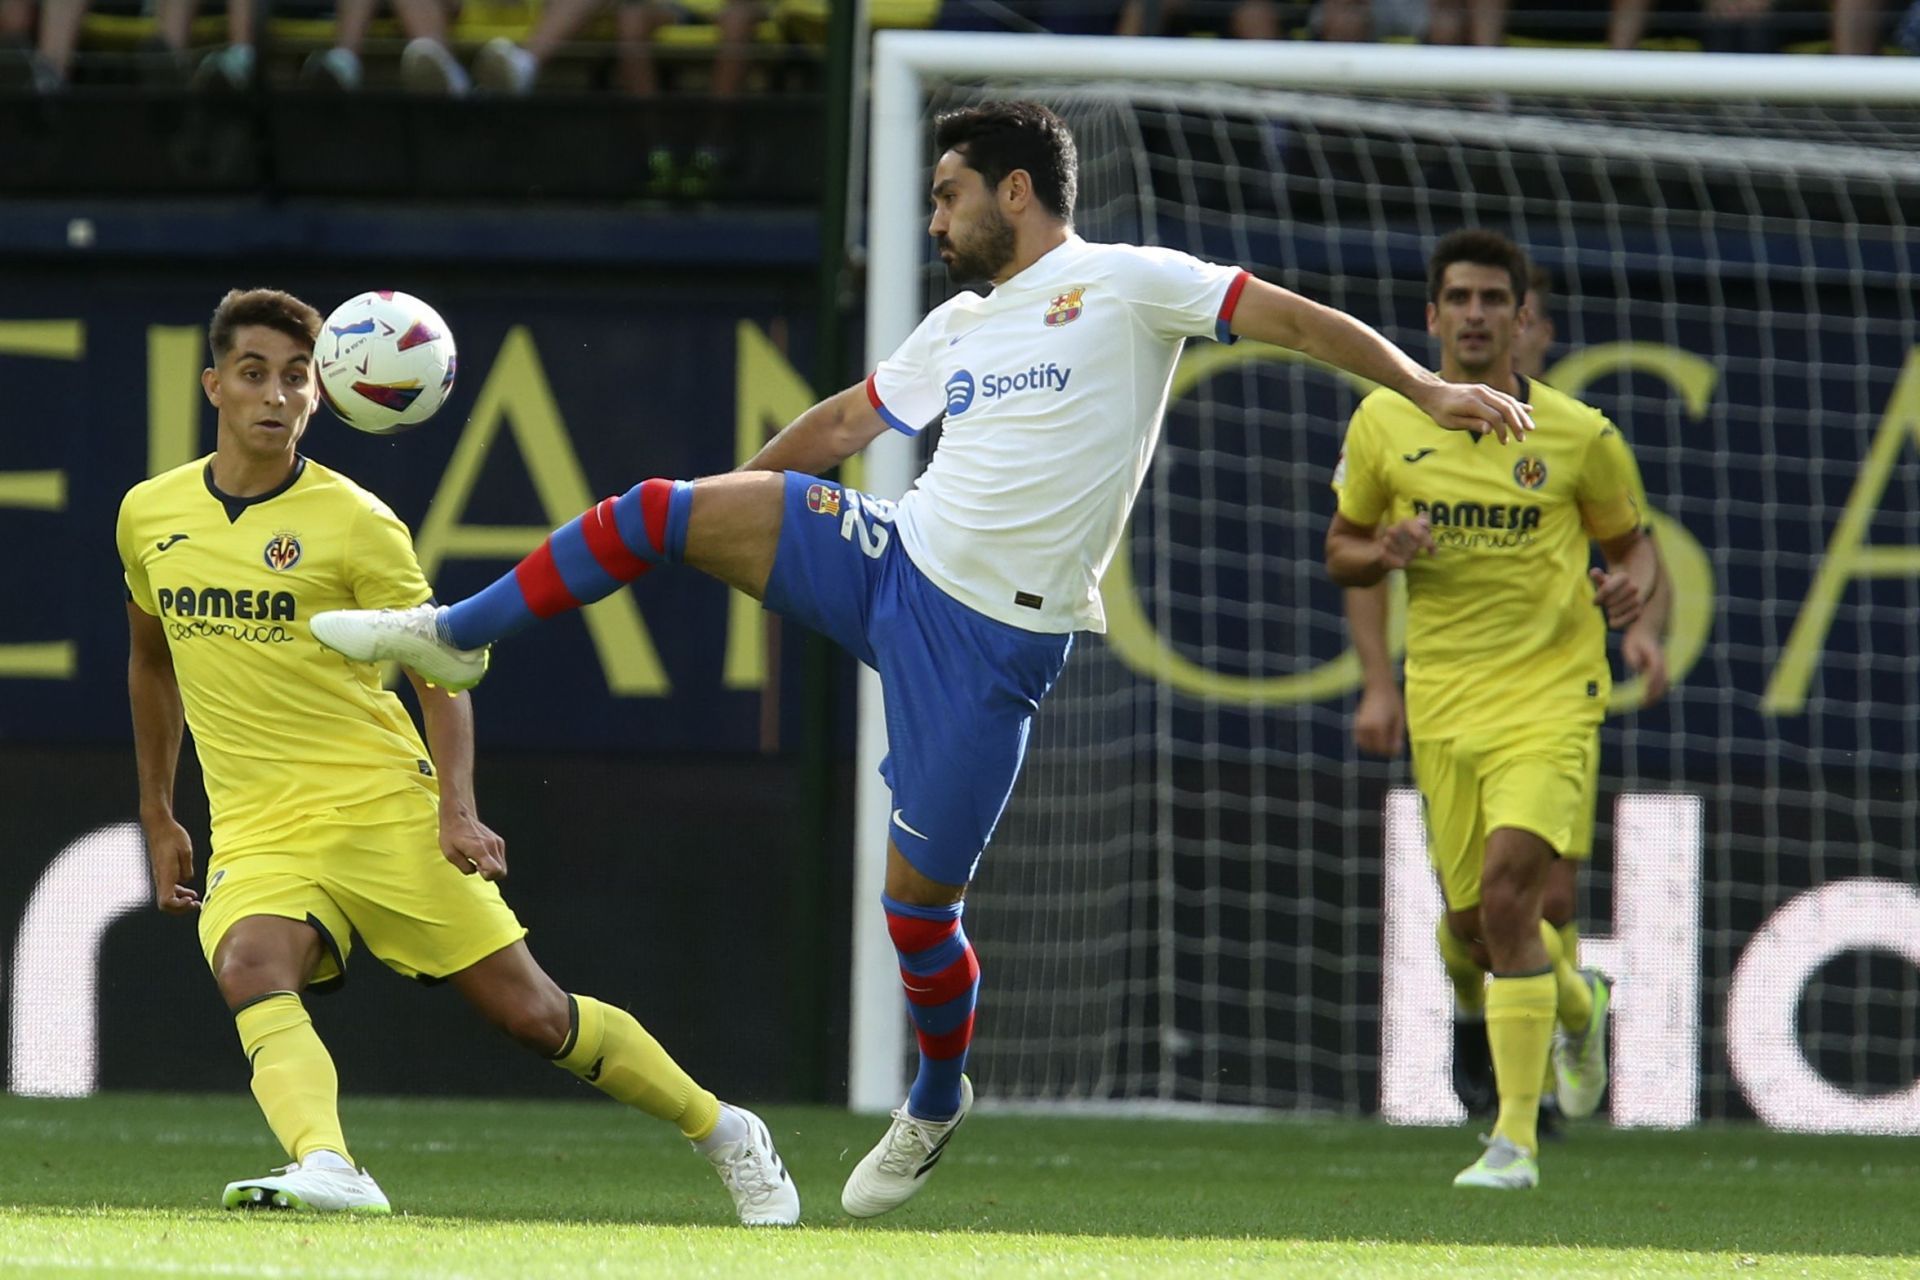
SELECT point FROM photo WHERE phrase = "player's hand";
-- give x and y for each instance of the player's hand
(170, 853)
(1401, 544)
(471, 845)
(1618, 595)
(1648, 659)
(1380, 722)
(1468, 406)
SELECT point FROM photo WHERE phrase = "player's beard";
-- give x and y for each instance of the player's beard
(1476, 368)
(982, 255)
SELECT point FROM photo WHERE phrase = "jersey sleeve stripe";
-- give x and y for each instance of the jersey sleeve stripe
(1224, 330)
(873, 398)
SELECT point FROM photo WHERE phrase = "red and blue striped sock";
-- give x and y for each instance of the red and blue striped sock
(588, 558)
(942, 978)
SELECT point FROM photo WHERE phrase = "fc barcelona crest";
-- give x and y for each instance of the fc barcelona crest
(283, 552)
(823, 499)
(1530, 473)
(1066, 307)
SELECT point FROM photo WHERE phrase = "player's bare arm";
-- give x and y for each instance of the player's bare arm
(158, 724)
(1358, 556)
(469, 844)
(1624, 586)
(824, 436)
(1643, 644)
(1268, 313)
(1380, 721)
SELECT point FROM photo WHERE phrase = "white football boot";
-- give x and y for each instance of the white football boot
(1580, 1061)
(894, 1171)
(757, 1179)
(1503, 1166)
(325, 1183)
(410, 637)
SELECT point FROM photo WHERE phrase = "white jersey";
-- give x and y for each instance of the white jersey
(1053, 387)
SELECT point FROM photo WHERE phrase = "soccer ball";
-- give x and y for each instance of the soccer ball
(386, 362)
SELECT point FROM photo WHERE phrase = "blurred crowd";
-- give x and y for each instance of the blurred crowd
(642, 47)
(722, 49)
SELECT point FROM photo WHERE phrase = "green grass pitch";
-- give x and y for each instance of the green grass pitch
(128, 1184)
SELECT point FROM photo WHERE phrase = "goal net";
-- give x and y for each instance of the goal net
(1191, 895)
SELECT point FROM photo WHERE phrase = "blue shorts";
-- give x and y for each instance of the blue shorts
(960, 688)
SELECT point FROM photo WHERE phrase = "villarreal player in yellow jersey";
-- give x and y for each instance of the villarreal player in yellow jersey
(1507, 674)
(1514, 354)
(332, 818)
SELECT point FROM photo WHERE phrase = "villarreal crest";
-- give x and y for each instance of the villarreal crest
(1530, 473)
(1066, 307)
(283, 552)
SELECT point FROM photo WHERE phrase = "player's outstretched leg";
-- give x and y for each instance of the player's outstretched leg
(298, 1091)
(612, 1052)
(942, 978)
(587, 559)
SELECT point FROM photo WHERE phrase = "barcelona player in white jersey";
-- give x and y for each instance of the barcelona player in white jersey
(332, 818)
(965, 595)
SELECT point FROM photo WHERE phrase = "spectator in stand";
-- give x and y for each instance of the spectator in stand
(504, 66)
(1359, 21)
(1477, 22)
(507, 67)
(16, 23)
(427, 65)
(1752, 26)
(47, 66)
(1240, 19)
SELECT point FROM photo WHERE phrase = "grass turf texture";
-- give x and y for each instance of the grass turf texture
(129, 1184)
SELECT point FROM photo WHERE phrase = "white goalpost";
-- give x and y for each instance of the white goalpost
(1184, 905)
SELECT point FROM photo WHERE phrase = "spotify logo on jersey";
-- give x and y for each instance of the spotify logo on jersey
(959, 393)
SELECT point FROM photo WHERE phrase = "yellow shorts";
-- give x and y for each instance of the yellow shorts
(373, 869)
(1538, 782)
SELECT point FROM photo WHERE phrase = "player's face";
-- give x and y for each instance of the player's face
(263, 390)
(1475, 319)
(968, 227)
(1535, 337)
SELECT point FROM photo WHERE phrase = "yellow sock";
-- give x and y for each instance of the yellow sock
(1570, 942)
(1469, 979)
(1576, 998)
(293, 1076)
(614, 1054)
(1519, 1025)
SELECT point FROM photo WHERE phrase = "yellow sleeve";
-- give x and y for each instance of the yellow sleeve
(1358, 479)
(126, 538)
(381, 566)
(1612, 498)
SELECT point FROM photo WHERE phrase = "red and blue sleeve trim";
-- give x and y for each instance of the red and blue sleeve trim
(1223, 329)
(886, 415)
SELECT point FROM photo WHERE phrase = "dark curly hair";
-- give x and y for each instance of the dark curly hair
(1483, 248)
(995, 138)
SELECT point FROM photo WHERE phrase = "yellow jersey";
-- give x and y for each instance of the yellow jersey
(1502, 631)
(286, 730)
